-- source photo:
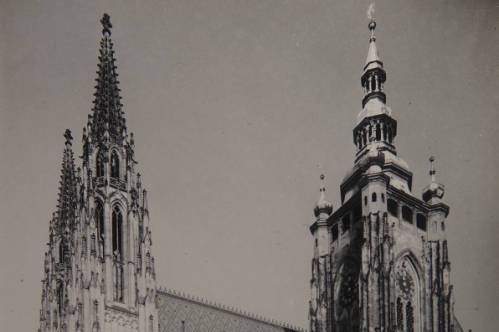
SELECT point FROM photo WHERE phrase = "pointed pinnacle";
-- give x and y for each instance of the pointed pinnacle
(106, 24)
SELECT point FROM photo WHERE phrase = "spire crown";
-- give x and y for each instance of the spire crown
(107, 121)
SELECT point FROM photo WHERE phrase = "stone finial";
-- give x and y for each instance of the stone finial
(106, 24)
(68, 137)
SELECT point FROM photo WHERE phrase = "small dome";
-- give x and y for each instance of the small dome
(323, 206)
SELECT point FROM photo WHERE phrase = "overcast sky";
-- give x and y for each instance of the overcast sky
(237, 107)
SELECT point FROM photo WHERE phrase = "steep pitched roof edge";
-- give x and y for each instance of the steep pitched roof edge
(229, 309)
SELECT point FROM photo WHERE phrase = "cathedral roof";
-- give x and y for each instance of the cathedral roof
(107, 117)
(176, 309)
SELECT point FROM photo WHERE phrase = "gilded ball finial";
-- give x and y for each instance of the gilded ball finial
(106, 24)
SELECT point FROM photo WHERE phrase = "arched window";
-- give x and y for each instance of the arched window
(365, 200)
(407, 214)
(99, 221)
(393, 208)
(115, 165)
(99, 165)
(374, 197)
(117, 231)
(382, 197)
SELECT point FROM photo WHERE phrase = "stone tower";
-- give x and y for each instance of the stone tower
(380, 260)
(99, 270)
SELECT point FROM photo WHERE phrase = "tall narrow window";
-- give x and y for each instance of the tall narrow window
(400, 314)
(334, 232)
(374, 197)
(80, 316)
(99, 221)
(117, 231)
(61, 252)
(409, 316)
(84, 246)
(92, 245)
(115, 165)
(96, 310)
(60, 297)
(393, 208)
(99, 166)
(421, 221)
(151, 323)
(345, 222)
(407, 214)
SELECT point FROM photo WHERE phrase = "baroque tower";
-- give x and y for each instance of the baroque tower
(380, 260)
(99, 270)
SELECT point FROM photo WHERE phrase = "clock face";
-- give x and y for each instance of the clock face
(405, 283)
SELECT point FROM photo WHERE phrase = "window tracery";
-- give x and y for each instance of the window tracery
(407, 292)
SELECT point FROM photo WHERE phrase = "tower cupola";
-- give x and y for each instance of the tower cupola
(323, 207)
(374, 76)
(434, 192)
(376, 128)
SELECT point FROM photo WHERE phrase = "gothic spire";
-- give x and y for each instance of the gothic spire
(67, 199)
(107, 118)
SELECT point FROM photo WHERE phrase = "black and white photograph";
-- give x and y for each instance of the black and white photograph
(249, 165)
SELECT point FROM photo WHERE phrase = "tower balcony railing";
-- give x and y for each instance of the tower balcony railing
(100, 181)
(113, 182)
(118, 183)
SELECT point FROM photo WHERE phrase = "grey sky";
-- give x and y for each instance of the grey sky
(237, 107)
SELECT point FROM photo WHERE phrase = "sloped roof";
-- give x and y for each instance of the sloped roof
(184, 313)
